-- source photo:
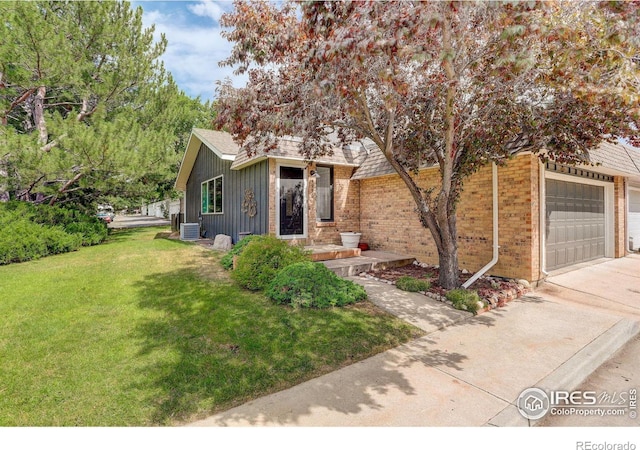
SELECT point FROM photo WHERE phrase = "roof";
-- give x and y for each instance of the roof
(611, 158)
(617, 158)
(219, 142)
(289, 148)
(376, 164)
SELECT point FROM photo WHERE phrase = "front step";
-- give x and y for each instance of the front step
(341, 253)
(368, 261)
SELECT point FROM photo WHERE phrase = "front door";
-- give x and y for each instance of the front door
(292, 202)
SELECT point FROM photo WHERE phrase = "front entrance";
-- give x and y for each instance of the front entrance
(292, 202)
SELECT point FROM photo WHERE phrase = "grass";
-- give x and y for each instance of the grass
(148, 331)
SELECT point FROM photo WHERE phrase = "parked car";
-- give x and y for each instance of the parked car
(106, 213)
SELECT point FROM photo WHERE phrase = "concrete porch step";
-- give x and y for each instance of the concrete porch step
(368, 260)
(328, 252)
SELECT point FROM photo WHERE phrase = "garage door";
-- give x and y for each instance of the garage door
(634, 219)
(575, 223)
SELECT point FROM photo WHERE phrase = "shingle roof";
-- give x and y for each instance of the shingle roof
(376, 165)
(289, 148)
(217, 140)
(618, 157)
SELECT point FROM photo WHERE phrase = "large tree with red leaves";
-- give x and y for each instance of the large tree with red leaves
(451, 84)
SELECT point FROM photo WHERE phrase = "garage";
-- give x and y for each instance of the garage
(634, 219)
(575, 228)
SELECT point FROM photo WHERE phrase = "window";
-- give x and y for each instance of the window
(324, 188)
(212, 196)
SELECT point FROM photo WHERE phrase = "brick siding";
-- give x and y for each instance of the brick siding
(389, 221)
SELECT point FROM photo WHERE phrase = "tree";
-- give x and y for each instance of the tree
(453, 84)
(86, 107)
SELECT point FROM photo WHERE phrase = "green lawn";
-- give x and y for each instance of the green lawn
(144, 330)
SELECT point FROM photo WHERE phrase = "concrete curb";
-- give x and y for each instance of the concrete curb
(575, 370)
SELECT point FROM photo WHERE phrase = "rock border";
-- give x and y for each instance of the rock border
(497, 300)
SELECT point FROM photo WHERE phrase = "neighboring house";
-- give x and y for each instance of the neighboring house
(162, 208)
(549, 216)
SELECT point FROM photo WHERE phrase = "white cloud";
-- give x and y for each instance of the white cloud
(194, 50)
(207, 8)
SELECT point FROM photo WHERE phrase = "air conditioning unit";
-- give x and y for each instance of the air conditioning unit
(189, 231)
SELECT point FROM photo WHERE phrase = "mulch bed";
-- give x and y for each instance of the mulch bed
(495, 291)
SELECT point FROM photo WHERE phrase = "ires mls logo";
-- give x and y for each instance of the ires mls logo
(534, 403)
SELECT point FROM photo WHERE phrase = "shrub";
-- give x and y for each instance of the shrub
(30, 231)
(262, 258)
(465, 300)
(227, 260)
(412, 284)
(309, 284)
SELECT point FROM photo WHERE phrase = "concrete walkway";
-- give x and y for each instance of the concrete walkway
(466, 371)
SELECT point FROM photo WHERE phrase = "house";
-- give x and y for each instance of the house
(548, 217)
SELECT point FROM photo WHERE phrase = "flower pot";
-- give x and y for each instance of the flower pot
(350, 239)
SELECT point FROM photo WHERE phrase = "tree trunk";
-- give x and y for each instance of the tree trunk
(38, 115)
(448, 250)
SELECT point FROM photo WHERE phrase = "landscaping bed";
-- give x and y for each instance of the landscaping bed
(494, 291)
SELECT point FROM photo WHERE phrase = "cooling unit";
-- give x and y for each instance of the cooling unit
(189, 231)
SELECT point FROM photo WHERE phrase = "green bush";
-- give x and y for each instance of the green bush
(227, 260)
(261, 260)
(30, 231)
(465, 300)
(412, 284)
(312, 285)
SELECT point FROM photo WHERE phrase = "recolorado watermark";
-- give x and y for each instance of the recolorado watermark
(588, 445)
(535, 403)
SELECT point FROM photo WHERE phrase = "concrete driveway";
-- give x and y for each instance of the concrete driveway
(135, 221)
(467, 371)
(607, 285)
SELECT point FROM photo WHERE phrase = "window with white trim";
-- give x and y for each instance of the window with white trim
(324, 187)
(211, 195)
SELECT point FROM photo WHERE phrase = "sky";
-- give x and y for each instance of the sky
(195, 45)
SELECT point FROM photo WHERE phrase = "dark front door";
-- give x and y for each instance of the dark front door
(292, 202)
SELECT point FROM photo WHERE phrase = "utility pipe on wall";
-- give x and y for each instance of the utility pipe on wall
(478, 274)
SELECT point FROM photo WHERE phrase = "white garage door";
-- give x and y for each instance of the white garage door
(575, 223)
(634, 219)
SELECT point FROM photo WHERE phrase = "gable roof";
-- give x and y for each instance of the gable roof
(219, 142)
(618, 158)
(289, 149)
(609, 158)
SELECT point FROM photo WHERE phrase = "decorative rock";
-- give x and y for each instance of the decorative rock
(222, 242)
(363, 274)
(465, 272)
(524, 283)
(416, 262)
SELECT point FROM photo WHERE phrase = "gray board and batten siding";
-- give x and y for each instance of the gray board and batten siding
(233, 220)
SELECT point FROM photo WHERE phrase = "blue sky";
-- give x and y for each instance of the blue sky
(195, 45)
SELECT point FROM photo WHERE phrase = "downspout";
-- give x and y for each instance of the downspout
(627, 244)
(542, 224)
(494, 260)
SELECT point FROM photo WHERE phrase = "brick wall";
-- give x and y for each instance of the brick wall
(346, 206)
(389, 221)
(619, 211)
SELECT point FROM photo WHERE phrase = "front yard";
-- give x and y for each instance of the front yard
(147, 331)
